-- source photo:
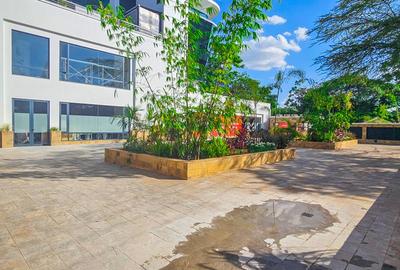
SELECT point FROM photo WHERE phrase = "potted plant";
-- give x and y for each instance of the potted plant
(6, 136)
(55, 136)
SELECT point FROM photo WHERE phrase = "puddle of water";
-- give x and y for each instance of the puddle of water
(247, 237)
(388, 267)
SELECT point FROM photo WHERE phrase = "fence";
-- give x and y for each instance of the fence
(377, 133)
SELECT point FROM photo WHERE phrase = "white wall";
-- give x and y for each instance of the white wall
(59, 24)
(2, 72)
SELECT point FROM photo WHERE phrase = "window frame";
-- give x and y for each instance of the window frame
(12, 54)
(125, 60)
(68, 113)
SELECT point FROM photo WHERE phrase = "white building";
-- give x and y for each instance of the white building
(58, 68)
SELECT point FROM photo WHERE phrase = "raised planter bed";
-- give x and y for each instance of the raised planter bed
(325, 145)
(183, 169)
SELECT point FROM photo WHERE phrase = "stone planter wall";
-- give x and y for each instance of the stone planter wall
(186, 170)
(6, 139)
(325, 145)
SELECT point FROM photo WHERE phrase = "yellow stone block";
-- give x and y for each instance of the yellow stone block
(183, 169)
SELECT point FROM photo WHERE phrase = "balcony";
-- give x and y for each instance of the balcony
(146, 21)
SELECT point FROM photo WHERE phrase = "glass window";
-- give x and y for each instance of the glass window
(63, 108)
(30, 55)
(127, 4)
(40, 107)
(90, 122)
(149, 20)
(21, 106)
(89, 66)
(94, 3)
(82, 109)
(205, 27)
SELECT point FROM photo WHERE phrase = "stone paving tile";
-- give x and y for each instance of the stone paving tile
(63, 208)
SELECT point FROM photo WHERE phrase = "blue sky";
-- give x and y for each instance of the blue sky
(284, 42)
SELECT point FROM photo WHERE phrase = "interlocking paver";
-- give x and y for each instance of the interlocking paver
(64, 208)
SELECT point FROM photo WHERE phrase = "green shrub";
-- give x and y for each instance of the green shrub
(341, 135)
(326, 113)
(216, 147)
(162, 149)
(135, 145)
(281, 137)
(261, 147)
(5, 127)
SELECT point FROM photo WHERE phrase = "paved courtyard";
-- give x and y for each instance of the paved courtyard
(64, 208)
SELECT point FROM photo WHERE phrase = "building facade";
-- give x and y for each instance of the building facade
(59, 70)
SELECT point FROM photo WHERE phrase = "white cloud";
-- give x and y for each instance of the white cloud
(269, 52)
(301, 33)
(288, 34)
(275, 20)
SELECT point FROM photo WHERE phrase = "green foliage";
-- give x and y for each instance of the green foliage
(130, 120)
(326, 113)
(285, 110)
(365, 38)
(281, 137)
(162, 149)
(261, 147)
(244, 87)
(216, 147)
(282, 77)
(342, 135)
(54, 129)
(135, 145)
(370, 98)
(5, 127)
(196, 98)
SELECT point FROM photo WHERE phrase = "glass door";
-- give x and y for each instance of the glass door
(31, 122)
(40, 123)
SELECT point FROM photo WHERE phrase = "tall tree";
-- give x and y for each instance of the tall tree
(365, 38)
(282, 76)
(248, 88)
(370, 98)
(196, 98)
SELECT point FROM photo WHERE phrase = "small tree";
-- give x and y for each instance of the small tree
(281, 77)
(130, 120)
(196, 98)
(326, 114)
(247, 88)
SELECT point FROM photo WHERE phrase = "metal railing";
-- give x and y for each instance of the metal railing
(134, 13)
(64, 3)
(72, 70)
(83, 11)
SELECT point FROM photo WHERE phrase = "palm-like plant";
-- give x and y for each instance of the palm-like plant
(130, 120)
(282, 76)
